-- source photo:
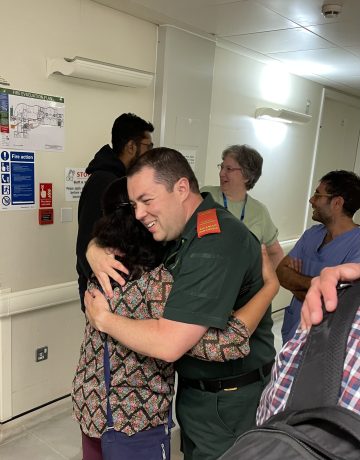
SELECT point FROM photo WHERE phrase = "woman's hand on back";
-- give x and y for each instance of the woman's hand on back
(104, 266)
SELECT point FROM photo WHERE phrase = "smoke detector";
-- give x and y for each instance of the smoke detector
(331, 11)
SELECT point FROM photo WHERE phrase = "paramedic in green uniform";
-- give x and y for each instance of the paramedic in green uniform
(216, 265)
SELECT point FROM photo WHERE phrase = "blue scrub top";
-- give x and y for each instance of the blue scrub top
(342, 249)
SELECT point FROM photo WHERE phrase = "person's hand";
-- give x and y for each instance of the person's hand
(104, 266)
(325, 286)
(295, 264)
(268, 271)
(97, 308)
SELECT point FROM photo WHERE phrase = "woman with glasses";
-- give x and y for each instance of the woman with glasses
(239, 171)
(141, 388)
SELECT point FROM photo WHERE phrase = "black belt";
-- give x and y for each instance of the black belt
(229, 383)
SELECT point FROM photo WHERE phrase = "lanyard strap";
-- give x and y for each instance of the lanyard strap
(109, 417)
(242, 215)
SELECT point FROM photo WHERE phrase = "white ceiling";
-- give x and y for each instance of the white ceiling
(291, 31)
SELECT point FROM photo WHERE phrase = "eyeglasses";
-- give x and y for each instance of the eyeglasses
(318, 195)
(149, 146)
(227, 168)
(112, 209)
(126, 207)
(121, 204)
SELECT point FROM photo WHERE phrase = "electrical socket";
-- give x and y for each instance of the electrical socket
(41, 354)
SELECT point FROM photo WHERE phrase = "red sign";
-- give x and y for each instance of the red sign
(45, 194)
(46, 216)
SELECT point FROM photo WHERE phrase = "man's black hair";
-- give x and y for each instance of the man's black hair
(127, 127)
(345, 184)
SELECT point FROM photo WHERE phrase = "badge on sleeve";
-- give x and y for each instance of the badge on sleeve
(207, 223)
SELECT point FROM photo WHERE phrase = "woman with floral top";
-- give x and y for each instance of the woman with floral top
(142, 388)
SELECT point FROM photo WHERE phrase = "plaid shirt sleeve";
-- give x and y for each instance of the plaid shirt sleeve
(275, 395)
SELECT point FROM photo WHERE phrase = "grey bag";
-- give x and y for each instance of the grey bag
(312, 425)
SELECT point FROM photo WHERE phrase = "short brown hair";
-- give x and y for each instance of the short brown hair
(249, 160)
(169, 166)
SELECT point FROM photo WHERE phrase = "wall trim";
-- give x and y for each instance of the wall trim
(35, 299)
(15, 303)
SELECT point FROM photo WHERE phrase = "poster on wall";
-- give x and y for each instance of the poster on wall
(75, 179)
(17, 180)
(30, 121)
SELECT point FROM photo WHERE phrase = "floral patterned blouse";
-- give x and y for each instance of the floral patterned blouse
(141, 387)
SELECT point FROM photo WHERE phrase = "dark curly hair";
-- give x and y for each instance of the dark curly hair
(120, 230)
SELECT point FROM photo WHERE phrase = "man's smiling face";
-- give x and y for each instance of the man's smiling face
(160, 210)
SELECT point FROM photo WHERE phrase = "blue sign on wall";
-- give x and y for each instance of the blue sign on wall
(17, 180)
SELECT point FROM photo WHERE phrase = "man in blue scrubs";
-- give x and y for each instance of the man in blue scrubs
(335, 241)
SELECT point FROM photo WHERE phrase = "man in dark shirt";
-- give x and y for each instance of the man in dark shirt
(216, 265)
(130, 138)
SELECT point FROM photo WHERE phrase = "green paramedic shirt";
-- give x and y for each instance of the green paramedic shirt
(213, 276)
(256, 217)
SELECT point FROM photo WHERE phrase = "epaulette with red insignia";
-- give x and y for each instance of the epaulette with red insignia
(207, 223)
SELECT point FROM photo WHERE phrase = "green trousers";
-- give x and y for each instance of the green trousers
(211, 422)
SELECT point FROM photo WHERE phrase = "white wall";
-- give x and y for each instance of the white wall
(34, 256)
(37, 263)
(183, 93)
(240, 86)
(338, 143)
